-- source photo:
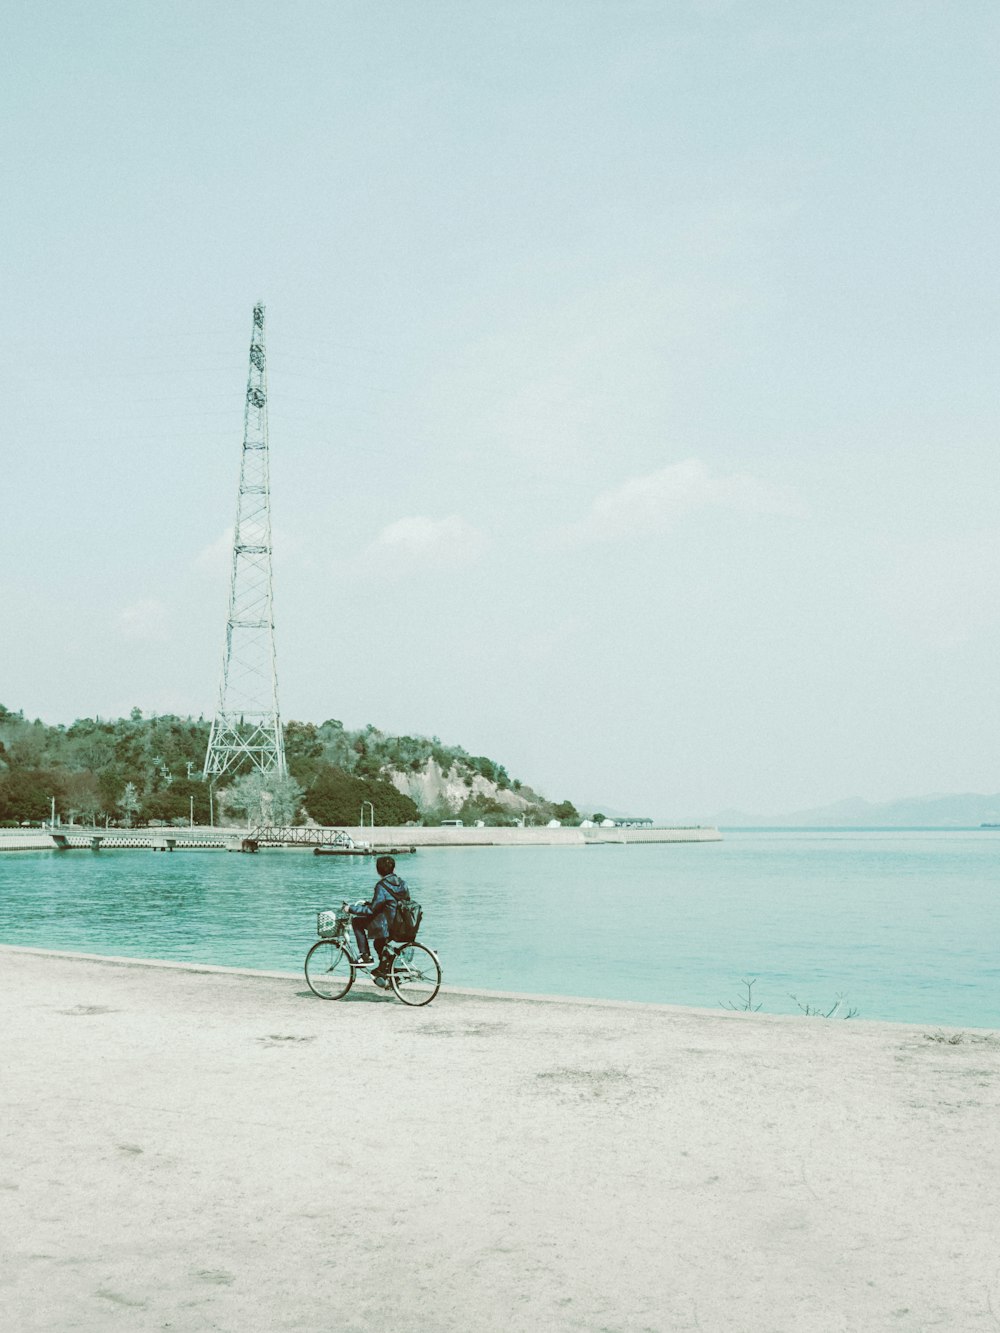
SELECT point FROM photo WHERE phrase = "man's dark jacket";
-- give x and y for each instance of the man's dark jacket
(388, 891)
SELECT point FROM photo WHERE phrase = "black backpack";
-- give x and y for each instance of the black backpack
(407, 921)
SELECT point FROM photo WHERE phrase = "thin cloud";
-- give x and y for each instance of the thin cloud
(216, 558)
(654, 501)
(426, 543)
(144, 621)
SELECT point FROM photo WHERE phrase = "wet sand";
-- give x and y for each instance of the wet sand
(189, 1149)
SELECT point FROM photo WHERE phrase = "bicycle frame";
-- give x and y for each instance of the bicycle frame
(344, 936)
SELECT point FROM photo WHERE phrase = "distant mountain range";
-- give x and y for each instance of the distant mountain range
(965, 810)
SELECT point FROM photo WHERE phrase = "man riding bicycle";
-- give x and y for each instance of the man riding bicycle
(375, 918)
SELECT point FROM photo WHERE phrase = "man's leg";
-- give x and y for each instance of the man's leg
(358, 924)
(383, 961)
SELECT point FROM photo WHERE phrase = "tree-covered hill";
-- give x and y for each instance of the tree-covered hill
(138, 770)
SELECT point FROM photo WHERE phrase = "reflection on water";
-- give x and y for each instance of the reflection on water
(906, 924)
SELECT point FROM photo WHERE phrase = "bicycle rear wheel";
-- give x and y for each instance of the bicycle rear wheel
(329, 971)
(416, 974)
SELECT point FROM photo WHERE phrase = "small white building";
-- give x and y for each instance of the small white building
(553, 823)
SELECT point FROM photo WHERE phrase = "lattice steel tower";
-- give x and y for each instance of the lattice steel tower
(246, 729)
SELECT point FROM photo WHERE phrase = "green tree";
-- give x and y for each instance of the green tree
(129, 803)
(90, 745)
(26, 794)
(264, 798)
(81, 796)
(155, 753)
(173, 804)
(566, 812)
(303, 750)
(490, 811)
(28, 748)
(335, 798)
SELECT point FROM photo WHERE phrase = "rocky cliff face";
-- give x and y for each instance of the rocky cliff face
(432, 786)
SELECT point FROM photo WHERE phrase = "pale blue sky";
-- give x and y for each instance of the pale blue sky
(633, 379)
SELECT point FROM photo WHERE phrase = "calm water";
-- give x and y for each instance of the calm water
(906, 924)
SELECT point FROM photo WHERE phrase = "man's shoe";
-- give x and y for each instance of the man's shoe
(380, 979)
(364, 962)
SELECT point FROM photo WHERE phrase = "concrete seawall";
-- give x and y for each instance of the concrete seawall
(528, 837)
(75, 837)
(381, 836)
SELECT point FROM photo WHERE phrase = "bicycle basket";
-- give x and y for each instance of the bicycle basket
(328, 923)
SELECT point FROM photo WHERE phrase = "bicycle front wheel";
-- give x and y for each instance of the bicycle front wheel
(329, 971)
(416, 974)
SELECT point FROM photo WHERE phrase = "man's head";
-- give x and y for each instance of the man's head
(385, 865)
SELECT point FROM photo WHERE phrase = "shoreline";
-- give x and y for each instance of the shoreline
(208, 1148)
(480, 993)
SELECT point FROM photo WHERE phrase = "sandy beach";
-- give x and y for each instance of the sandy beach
(188, 1148)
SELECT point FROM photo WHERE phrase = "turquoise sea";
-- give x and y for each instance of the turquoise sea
(905, 924)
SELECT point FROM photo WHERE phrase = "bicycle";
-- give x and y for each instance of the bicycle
(332, 964)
